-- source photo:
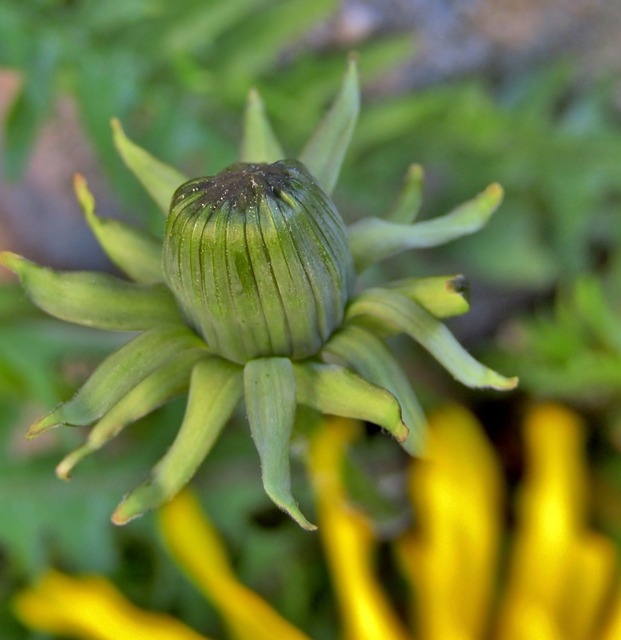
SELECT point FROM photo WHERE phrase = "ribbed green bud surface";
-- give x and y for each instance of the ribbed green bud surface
(258, 258)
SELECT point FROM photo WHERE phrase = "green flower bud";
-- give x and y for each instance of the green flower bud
(259, 260)
(261, 265)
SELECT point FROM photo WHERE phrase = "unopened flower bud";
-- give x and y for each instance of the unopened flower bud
(259, 260)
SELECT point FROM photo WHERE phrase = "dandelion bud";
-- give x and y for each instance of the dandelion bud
(259, 260)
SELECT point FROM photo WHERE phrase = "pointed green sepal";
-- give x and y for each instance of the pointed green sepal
(407, 207)
(135, 252)
(372, 240)
(269, 392)
(370, 358)
(442, 296)
(159, 179)
(117, 375)
(259, 143)
(215, 389)
(335, 390)
(396, 312)
(325, 151)
(154, 391)
(94, 299)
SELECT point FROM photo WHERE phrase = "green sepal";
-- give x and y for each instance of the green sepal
(135, 252)
(259, 143)
(370, 358)
(155, 390)
(336, 390)
(372, 240)
(442, 296)
(94, 299)
(159, 179)
(117, 375)
(407, 207)
(395, 312)
(325, 150)
(269, 392)
(215, 389)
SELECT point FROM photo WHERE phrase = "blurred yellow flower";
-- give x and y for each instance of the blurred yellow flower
(559, 581)
(99, 612)
(560, 576)
(90, 607)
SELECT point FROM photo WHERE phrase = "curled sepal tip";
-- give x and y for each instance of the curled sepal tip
(159, 179)
(215, 389)
(372, 240)
(335, 390)
(117, 375)
(442, 296)
(154, 391)
(400, 314)
(370, 358)
(269, 392)
(135, 252)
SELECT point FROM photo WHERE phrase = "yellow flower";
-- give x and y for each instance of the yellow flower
(559, 581)
(90, 607)
(99, 612)
(348, 540)
(197, 548)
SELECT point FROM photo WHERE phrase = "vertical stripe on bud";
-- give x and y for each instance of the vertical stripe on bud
(258, 258)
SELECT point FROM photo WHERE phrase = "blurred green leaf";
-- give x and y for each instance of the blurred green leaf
(30, 107)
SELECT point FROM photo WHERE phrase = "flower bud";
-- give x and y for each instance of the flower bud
(259, 260)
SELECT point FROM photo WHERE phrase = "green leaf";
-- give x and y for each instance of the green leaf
(135, 252)
(259, 143)
(326, 148)
(155, 390)
(255, 47)
(372, 240)
(30, 353)
(14, 305)
(443, 296)
(21, 126)
(269, 392)
(333, 389)
(117, 375)
(159, 179)
(406, 209)
(33, 101)
(94, 299)
(597, 310)
(106, 82)
(198, 25)
(215, 389)
(42, 521)
(396, 312)
(370, 358)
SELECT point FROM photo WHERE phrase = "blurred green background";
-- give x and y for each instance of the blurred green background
(522, 93)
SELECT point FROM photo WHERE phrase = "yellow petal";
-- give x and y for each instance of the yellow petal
(196, 547)
(451, 558)
(526, 620)
(91, 608)
(588, 589)
(348, 541)
(612, 627)
(550, 513)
